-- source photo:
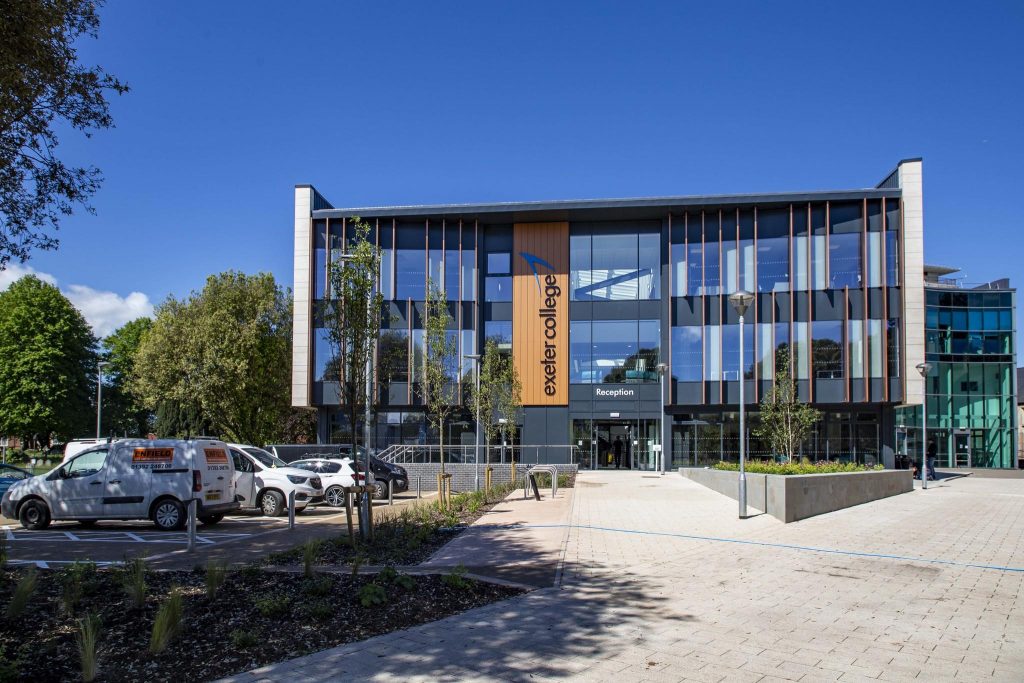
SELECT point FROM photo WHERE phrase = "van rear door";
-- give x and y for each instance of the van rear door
(213, 462)
(130, 477)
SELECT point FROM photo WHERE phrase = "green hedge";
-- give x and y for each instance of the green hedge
(804, 467)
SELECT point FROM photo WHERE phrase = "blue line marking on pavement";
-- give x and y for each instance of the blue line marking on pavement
(765, 544)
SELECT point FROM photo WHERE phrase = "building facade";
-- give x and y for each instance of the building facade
(590, 297)
(971, 385)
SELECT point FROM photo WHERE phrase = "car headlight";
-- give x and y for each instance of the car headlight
(296, 479)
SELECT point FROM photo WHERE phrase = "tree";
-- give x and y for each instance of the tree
(785, 421)
(47, 363)
(43, 87)
(500, 396)
(223, 355)
(123, 411)
(437, 387)
(352, 319)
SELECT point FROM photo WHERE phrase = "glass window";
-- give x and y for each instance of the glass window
(712, 270)
(451, 274)
(712, 353)
(844, 260)
(773, 250)
(800, 263)
(468, 268)
(649, 265)
(875, 357)
(800, 357)
(616, 354)
(817, 247)
(694, 268)
(387, 274)
(874, 259)
(892, 255)
(614, 274)
(500, 331)
(782, 348)
(765, 348)
(499, 263)
(687, 354)
(579, 265)
(324, 370)
(678, 253)
(411, 274)
(86, 464)
(393, 356)
(581, 371)
(731, 352)
(649, 354)
(1005, 320)
(498, 288)
(467, 347)
(435, 267)
(419, 356)
(991, 320)
(827, 347)
(320, 259)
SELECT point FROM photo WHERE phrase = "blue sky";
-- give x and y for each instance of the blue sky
(234, 103)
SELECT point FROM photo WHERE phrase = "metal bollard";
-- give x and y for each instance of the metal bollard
(192, 525)
(348, 517)
(391, 491)
(524, 487)
(291, 509)
(419, 490)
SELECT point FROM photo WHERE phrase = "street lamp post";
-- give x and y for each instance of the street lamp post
(476, 358)
(740, 302)
(662, 370)
(924, 369)
(99, 394)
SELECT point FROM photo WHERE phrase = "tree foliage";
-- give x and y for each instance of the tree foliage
(500, 396)
(223, 356)
(47, 363)
(785, 420)
(43, 87)
(351, 317)
(437, 387)
(123, 412)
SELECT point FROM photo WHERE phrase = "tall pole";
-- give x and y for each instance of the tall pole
(477, 360)
(99, 396)
(924, 368)
(662, 369)
(740, 301)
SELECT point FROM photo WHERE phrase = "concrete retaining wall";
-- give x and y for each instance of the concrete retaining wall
(463, 475)
(793, 497)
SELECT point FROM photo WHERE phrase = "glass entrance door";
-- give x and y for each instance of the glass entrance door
(962, 448)
(618, 444)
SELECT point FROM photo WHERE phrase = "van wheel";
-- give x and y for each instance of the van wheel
(335, 497)
(210, 520)
(272, 504)
(34, 515)
(169, 515)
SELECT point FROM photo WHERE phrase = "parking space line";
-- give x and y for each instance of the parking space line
(134, 537)
(9, 533)
(71, 536)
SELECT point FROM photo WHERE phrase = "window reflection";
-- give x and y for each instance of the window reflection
(615, 267)
(614, 351)
(687, 353)
(410, 274)
(827, 346)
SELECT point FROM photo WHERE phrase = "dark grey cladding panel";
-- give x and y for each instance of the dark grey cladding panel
(499, 310)
(782, 309)
(467, 314)
(764, 307)
(830, 391)
(558, 425)
(803, 390)
(877, 389)
(876, 300)
(895, 390)
(581, 310)
(856, 304)
(498, 238)
(829, 305)
(712, 310)
(613, 227)
(580, 393)
(856, 390)
(398, 393)
(686, 311)
(650, 408)
(396, 315)
(799, 312)
(895, 303)
(732, 393)
(714, 392)
(326, 393)
(766, 387)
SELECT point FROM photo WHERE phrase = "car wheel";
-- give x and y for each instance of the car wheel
(380, 490)
(210, 520)
(272, 504)
(335, 497)
(169, 515)
(34, 515)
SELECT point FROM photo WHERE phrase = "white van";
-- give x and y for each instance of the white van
(130, 479)
(76, 446)
(263, 482)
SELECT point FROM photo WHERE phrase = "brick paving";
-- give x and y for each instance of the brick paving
(661, 582)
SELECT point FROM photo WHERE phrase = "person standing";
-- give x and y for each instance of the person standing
(617, 448)
(933, 452)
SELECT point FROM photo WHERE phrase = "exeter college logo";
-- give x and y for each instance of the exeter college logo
(549, 292)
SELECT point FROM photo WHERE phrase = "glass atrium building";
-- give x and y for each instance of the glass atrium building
(590, 297)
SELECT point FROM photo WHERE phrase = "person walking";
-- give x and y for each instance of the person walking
(933, 452)
(617, 447)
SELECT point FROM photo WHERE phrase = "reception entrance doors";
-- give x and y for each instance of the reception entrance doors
(618, 444)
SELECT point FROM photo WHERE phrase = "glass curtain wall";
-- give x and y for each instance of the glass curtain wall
(615, 266)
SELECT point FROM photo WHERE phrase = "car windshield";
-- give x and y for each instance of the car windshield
(7, 472)
(265, 458)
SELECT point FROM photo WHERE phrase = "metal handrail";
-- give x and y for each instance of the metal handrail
(466, 453)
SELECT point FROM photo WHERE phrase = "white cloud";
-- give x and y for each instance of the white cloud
(104, 311)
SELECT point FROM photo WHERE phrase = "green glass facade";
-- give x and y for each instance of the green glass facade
(971, 387)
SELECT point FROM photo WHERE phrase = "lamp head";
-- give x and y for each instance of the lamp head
(924, 368)
(741, 301)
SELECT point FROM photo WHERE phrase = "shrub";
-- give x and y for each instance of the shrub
(389, 576)
(167, 625)
(78, 580)
(22, 592)
(274, 605)
(310, 553)
(243, 639)
(318, 587)
(216, 574)
(357, 562)
(320, 610)
(803, 467)
(134, 581)
(456, 579)
(88, 632)
(372, 594)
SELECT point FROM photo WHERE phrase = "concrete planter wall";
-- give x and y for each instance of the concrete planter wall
(464, 475)
(793, 497)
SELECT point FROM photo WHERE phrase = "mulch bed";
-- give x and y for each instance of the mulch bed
(306, 615)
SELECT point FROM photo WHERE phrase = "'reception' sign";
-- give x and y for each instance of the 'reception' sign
(540, 307)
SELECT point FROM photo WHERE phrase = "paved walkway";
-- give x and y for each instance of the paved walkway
(661, 582)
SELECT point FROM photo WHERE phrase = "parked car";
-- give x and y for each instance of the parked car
(383, 472)
(10, 475)
(263, 482)
(335, 473)
(129, 479)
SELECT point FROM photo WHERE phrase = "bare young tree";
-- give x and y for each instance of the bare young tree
(437, 386)
(500, 396)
